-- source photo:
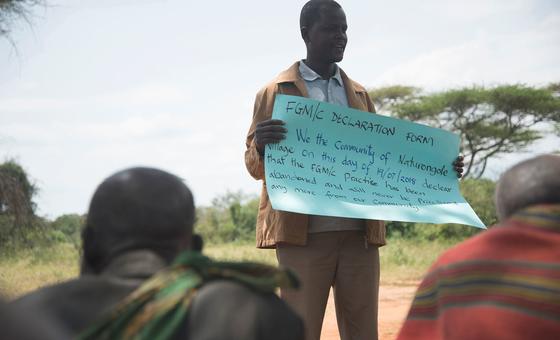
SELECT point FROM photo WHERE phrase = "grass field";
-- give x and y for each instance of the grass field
(25, 270)
(402, 262)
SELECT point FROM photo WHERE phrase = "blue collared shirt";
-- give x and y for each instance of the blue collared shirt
(326, 90)
(331, 91)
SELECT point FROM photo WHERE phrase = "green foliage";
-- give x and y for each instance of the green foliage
(19, 226)
(490, 121)
(10, 10)
(34, 233)
(454, 232)
(406, 260)
(16, 190)
(391, 95)
(17, 209)
(241, 251)
(480, 195)
(231, 217)
(398, 229)
(68, 228)
(23, 270)
(554, 87)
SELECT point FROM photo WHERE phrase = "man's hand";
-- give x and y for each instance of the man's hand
(269, 131)
(458, 165)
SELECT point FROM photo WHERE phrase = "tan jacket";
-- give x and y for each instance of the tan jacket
(276, 226)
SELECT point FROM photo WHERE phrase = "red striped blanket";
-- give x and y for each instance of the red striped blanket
(502, 284)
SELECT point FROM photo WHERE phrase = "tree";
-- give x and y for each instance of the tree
(11, 10)
(16, 191)
(490, 121)
(17, 209)
(555, 87)
(480, 195)
(231, 217)
(70, 227)
(387, 97)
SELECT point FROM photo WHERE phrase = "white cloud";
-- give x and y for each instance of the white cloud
(141, 97)
(475, 9)
(529, 57)
(99, 132)
(146, 95)
(89, 99)
(12, 106)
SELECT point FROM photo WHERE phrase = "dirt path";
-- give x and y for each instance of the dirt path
(394, 302)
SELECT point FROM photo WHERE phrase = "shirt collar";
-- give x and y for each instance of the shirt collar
(309, 75)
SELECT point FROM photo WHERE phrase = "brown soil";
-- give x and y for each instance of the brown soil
(394, 302)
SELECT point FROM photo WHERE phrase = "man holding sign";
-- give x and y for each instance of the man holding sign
(324, 251)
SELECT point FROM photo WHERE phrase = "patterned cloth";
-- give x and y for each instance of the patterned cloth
(157, 309)
(502, 284)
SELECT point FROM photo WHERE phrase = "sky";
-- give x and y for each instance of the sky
(95, 86)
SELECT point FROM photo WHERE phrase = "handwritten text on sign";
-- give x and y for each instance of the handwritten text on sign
(337, 161)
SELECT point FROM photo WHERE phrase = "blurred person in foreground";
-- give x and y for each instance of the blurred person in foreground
(505, 282)
(28, 325)
(139, 222)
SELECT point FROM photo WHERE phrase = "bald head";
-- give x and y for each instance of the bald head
(138, 208)
(534, 181)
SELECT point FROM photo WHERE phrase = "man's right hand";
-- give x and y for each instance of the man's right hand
(269, 131)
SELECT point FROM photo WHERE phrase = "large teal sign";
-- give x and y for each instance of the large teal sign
(337, 161)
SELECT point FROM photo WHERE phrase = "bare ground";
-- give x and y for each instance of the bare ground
(394, 302)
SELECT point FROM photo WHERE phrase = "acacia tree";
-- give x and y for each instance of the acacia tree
(385, 98)
(490, 121)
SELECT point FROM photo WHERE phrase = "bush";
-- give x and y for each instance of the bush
(56, 236)
(231, 217)
(17, 209)
(70, 226)
(480, 195)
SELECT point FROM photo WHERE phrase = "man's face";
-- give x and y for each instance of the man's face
(326, 39)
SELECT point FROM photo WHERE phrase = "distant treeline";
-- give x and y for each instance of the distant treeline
(491, 121)
(231, 217)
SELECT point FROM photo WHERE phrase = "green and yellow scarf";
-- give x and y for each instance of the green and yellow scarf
(158, 308)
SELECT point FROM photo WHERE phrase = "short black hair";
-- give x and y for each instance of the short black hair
(137, 208)
(311, 11)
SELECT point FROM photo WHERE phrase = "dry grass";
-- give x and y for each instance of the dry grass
(241, 252)
(405, 262)
(402, 262)
(26, 270)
